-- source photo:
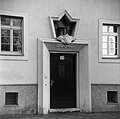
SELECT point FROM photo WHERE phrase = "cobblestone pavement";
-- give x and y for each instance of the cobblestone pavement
(68, 115)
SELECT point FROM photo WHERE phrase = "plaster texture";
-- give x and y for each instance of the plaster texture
(27, 99)
(99, 98)
(89, 12)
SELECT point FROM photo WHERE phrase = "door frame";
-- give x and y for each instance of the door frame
(83, 78)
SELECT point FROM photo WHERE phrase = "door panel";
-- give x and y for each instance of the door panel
(63, 80)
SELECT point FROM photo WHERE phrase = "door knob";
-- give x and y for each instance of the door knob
(52, 82)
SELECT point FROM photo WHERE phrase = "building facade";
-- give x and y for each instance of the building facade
(59, 56)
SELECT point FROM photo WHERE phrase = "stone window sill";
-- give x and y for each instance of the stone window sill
(10, 105)
(112, 103)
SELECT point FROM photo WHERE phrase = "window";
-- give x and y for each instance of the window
(112, 97)
(11, 34)
(11, 98)
(109, 41)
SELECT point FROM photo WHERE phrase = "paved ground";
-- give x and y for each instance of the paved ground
(68, 115)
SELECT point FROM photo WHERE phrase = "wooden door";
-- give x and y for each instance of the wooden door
(63, 80)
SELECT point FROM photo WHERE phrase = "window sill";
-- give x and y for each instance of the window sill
(112, 103)
(11, 105)
(110, 59)
(13, 56)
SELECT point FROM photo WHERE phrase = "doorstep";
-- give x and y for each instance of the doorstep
(65, 110)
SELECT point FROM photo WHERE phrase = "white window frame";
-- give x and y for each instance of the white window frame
(108, 58)
(11, 28)
(13, 55)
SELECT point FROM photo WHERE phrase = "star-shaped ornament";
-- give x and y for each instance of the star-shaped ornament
(64, 27)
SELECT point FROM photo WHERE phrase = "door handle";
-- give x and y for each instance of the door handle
(52, 82)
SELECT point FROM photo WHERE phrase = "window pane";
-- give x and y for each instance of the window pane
(104, 51)
(105, 28)
(17, 45)
(113, 41)
(17, 22)
(5, 39)
(115, 28)
(112, 38)
(104, 45)
(17, 33)
(104, 38)
(17, 40)
(112, 96)
(5, 20)
(11, 98)
(17, 48)
(5, 47)
(112, 29)
(5, 32)
(112, 45)
(112, 51)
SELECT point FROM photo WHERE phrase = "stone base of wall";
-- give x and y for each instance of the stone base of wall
(99, 97)
(27, 99)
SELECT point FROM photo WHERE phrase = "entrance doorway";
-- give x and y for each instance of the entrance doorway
(62, 80)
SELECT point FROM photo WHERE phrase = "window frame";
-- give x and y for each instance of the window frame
(108, 35)
(108, 58)
(14, 55)
(12, 28)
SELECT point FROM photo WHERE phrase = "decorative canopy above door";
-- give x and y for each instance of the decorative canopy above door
(64, 27)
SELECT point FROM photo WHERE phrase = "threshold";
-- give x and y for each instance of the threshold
(65, 110)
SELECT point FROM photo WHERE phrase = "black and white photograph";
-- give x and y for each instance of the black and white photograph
(59, 59)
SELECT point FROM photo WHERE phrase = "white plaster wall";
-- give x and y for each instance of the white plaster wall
(17, 72)
(88, 11)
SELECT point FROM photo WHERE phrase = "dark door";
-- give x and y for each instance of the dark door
(63, 80)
